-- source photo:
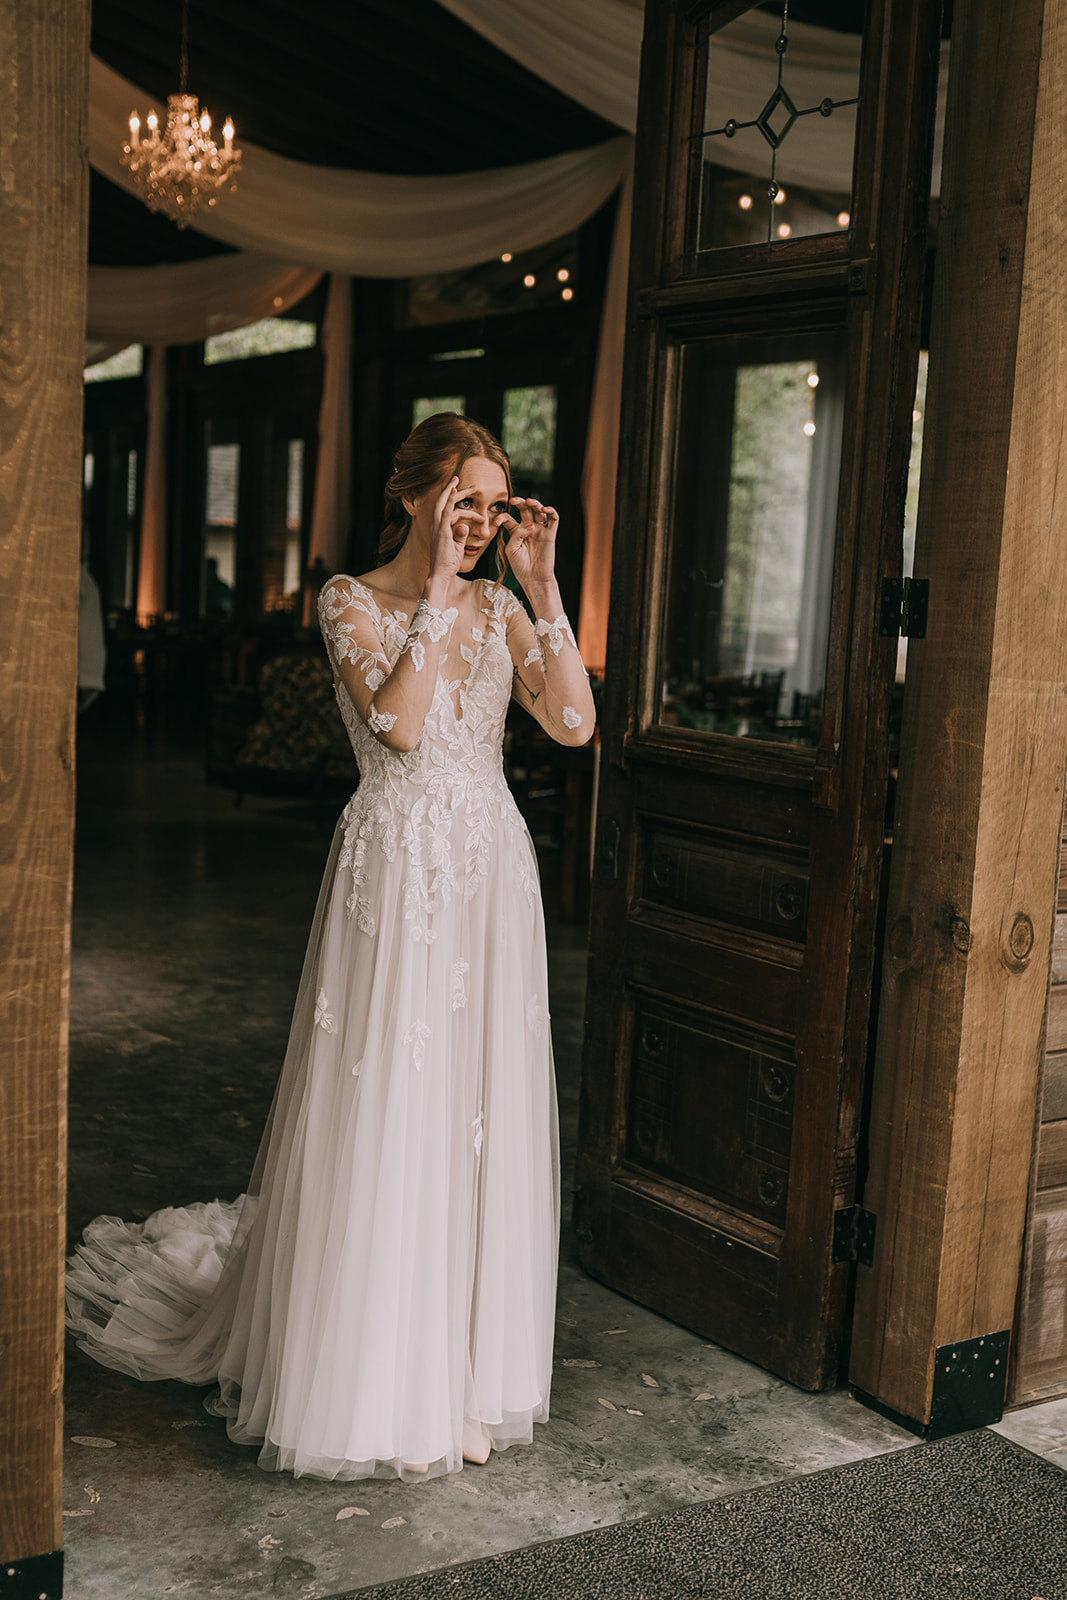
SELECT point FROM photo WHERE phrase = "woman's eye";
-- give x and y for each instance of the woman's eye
(463, 504)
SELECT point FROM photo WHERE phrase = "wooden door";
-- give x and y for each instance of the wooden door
(772, 345)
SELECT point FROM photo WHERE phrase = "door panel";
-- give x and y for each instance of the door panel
(742, 793)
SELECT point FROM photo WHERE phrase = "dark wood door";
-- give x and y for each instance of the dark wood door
(772, 344)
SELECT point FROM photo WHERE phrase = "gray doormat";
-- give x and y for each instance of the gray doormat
(969, 1518)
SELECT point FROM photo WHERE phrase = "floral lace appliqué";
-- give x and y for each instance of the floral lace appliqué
(572, 718)
(537, 1017)
(555, 634)
(324, 1018)
(428, 620)
(380, 721)
(417, 1036)
(442, 811)
(460, 969)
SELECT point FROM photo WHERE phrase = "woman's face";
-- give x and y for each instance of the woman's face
(483, 497)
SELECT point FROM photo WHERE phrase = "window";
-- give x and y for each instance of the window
(267, 338)
(128, 363)
(429, 407)
(220, 538)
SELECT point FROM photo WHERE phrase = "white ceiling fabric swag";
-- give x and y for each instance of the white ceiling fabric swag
(590, 50)
(185, 302)
(372, 224)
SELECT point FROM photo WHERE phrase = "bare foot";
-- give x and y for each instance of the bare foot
(476, 1443)
(415, 1466)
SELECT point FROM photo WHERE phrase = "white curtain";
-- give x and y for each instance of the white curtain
(182, 303)
(331, 508)
(373, 224)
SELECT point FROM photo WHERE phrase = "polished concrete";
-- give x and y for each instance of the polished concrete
(189, 925)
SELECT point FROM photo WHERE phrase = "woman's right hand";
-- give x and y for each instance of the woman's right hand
(449, 534)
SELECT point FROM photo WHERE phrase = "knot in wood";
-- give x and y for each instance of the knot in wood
(959, 928)
(1020, 942)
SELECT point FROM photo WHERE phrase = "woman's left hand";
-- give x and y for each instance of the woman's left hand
(531, 545)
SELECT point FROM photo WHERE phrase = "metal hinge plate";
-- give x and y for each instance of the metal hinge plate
(854, 1231)
(903, 607)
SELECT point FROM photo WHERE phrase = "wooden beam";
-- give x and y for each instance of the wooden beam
(972, 885)
(43, 231)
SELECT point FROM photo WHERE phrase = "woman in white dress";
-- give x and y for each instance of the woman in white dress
(383, 1299)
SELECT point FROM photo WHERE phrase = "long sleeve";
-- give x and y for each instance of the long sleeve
(550, 678)
(393, 700)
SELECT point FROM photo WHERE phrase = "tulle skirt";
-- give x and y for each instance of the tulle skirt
(391, 1271)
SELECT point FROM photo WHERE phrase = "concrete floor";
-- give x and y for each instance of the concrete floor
(189, 926)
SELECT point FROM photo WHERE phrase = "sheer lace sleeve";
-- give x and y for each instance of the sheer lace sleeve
(392, 699)
(550, 679)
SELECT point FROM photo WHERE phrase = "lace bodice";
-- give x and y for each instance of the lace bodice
(442, 801)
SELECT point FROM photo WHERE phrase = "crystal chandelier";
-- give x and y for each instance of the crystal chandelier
(180, 168)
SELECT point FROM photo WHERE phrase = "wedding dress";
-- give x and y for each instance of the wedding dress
(392, 1270)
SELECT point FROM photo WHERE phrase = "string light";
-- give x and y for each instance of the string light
(567, 294)
(813, 380)
(745, 202)
(506, 256)
(529, 280)
(809, 428)
(784, 230)
(562, 274)
(779, 198)
(843, 219)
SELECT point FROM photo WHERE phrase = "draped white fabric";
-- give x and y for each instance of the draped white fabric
(331, 508)
(374, 224)
(186, 302)
(591, 51)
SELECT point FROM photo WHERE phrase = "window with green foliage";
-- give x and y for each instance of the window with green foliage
(128, 363)
(529, 437)
(267, 338)
(431, 405)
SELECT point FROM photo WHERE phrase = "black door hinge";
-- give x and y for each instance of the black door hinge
(854, 1231)
(903, 607)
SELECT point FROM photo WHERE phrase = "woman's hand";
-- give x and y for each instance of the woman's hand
(450, 532)
(531, 543)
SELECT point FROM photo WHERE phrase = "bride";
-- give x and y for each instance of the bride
(383, 1297)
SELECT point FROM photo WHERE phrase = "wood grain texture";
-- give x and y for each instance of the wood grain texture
(43, 214)
(1041, 1365)
(985, 728)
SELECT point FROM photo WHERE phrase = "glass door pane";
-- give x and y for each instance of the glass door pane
(778, 134)
(755, 506)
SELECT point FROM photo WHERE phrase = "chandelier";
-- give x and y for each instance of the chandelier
(179, 168)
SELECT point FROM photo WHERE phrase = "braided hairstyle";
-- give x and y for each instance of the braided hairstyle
(431, 454)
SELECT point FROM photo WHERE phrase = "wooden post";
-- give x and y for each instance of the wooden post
(972, 882)
(43, 221)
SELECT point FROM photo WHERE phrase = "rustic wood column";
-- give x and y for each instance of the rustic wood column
(43, 219)
(972, 883)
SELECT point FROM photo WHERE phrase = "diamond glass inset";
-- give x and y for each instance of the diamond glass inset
(777, 139)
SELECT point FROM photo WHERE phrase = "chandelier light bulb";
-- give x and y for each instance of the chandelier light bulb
(181, 168)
